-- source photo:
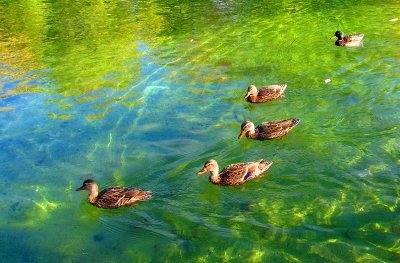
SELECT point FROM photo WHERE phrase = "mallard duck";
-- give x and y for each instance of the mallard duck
(262, 94)
(353, 40)
(267, 130)
(234, 174)
(114, 196)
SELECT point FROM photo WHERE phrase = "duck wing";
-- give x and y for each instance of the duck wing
(233, 174)
(272, 89)
(117, 196)
(138, 194)
(352, 40)
(240, 173)
(354, 37)
(276, 128)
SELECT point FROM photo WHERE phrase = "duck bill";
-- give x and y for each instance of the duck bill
(247, 95)
(80, 189)
(242, 133)
(202, 171)
(333, 37)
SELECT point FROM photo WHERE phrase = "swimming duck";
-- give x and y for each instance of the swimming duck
(262, 94)
(353, 40)
(234, 174)
(114, 196)
(267, 130)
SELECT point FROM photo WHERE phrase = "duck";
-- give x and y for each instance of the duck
(114, 196)
(352, 40)
(262, 94)
(267, 130)
(234, 174)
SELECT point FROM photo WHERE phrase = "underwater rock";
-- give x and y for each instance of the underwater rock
(246, 207)
(98, 237)
(14, 206)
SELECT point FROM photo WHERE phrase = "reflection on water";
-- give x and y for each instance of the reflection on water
(143, 93)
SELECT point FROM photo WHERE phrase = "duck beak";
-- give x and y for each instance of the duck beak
(202, 171)
(247, 94)
(80, 188)
(242, 133)
(333, 37)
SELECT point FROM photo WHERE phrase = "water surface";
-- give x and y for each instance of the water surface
(142, 93)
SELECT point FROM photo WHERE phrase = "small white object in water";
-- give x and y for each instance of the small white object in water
(394, 19)
(327, 80)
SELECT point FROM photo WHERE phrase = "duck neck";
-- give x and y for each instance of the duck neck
(253, 97)
(214, 176)
(92, 197)
(253, 133)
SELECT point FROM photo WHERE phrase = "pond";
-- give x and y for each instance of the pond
(143, 93)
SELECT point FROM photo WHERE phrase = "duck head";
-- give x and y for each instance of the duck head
(251, 90)
(338, 34)
(209, 166)
(89, 185)
(246, 127)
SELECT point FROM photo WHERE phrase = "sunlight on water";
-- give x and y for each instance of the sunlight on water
(143, 93)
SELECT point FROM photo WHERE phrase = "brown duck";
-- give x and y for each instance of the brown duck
(352, 40)
(114, 196)
(234, 174)
(263, 94)
(267, 130)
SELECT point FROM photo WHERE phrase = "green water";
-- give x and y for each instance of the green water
(142, 93)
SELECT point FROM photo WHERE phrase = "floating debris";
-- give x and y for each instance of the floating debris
(394, 19)
(327, 80)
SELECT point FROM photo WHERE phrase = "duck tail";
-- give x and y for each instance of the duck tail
(145, 195)
(264, 165)
(283, 87)
(295, 122)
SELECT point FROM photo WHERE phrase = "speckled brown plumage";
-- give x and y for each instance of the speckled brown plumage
(267, 130)
(352, 40)
(235, 174)
(262, 94)
(114, 196)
